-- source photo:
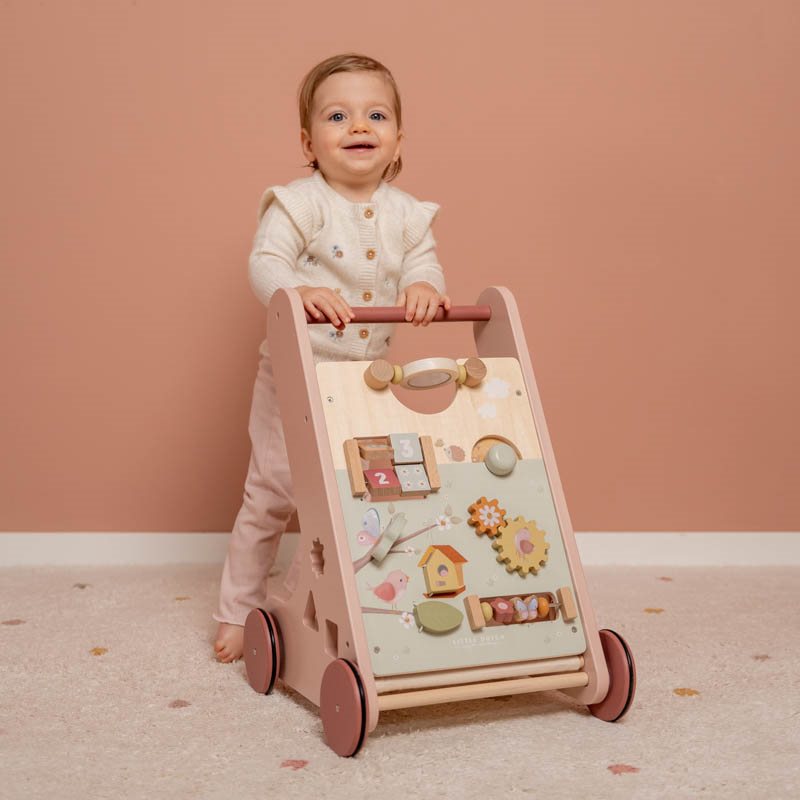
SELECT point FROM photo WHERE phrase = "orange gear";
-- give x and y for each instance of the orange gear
(487, 516)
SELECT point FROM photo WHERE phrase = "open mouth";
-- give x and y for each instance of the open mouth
(362, 146)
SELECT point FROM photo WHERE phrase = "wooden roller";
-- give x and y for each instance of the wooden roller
(379, 374)
(474, 372)
(425, 373)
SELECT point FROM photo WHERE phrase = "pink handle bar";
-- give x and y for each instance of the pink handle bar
(398, 314)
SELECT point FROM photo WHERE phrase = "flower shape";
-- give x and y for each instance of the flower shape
(443, 523)
(407, 619)
(486, 516)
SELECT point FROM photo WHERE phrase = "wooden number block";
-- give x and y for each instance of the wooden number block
(407, 449)
(568, 608)
(429, 460)
(477, 621)
(413, 479)
(353, 460)
(382, 482)
(376, 451)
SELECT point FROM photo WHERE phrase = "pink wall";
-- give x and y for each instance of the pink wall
(630, 170)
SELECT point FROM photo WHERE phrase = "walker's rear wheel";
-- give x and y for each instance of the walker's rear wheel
(262, 650)
(343, 708)
(622, 678)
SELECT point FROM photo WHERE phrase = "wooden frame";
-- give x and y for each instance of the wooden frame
(306, 653)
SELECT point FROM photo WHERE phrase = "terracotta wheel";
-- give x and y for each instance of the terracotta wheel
(262, 650)
(622, 678)
(343, 708)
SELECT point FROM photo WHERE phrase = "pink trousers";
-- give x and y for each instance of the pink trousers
(266, 508)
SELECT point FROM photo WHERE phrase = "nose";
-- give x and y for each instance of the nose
(360, 125)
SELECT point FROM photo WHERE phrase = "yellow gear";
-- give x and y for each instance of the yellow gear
(513, 542)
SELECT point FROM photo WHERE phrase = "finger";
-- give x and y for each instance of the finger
(411, 307)
(433, 307)
(401, 299)
(445, 302)
(312, 309)
(342, 309)
(330, 313)
(422, 309)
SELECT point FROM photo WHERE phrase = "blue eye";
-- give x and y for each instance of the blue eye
(377, 114)
(336, 114)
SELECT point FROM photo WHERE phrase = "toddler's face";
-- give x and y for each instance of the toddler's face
(354, 134)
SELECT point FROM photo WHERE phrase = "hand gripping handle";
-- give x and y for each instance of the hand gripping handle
(398, 314)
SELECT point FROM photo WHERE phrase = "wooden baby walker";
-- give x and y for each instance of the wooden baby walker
(436, 560)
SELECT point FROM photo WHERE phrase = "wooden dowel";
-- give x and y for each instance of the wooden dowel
(475, 691)
(450, 677)
(398, 314)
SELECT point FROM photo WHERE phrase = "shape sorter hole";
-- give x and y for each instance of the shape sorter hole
(331, 639)
(310, 615)
(317, 559)
(485, 443)
(430, 401)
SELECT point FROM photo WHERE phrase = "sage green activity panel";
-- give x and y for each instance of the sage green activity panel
(457, 553)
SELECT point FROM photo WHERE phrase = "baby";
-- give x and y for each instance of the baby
(340, 236)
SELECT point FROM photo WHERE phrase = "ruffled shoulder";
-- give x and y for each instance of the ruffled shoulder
(419, 219)
(300, 208)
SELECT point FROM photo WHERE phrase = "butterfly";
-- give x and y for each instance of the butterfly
(370, 528)
(529, 608)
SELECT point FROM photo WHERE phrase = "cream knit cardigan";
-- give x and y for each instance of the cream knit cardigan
(310, 235)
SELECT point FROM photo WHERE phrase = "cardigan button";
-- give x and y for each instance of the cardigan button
(363, 333)
(369, 213)
(367, 296)
(340, 334)
(370, 254)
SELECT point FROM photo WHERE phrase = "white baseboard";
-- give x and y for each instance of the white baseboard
(744, 549)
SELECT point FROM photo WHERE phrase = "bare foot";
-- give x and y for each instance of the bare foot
(230, 642)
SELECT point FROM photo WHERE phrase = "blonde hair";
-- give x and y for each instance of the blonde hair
(347, 62)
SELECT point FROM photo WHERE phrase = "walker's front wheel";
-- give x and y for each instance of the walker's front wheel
(622, 678)
(262, 650)
(343, 708)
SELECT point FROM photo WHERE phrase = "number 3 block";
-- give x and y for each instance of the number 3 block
(407, 449)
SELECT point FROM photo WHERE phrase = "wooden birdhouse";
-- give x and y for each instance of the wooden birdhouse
(442, 567)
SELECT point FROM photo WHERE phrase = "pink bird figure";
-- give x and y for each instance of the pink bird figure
(523, 543)
(392, 589)
(371, 528)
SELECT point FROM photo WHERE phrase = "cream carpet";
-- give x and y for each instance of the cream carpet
(108, 689)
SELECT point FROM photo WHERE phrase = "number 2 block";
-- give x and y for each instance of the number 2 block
(382, 481)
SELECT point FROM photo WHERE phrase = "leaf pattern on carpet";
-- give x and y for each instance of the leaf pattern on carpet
(179, 704)
(13, 622)
(99, 651)
(294, 763)
(654, 611)
(761, 657)
(683, 692)
(621, 769)
(183, 597)
(80, 585)
(665, 579)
